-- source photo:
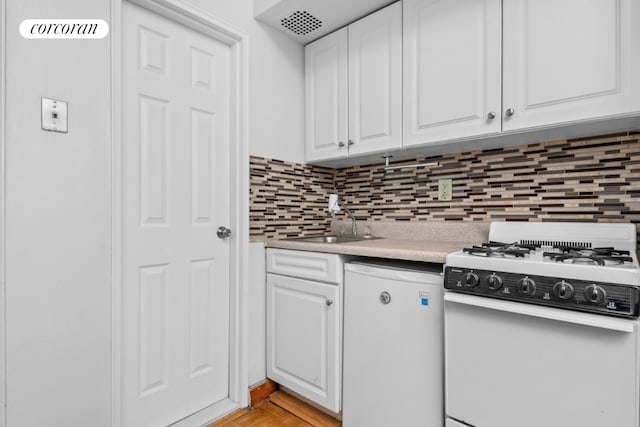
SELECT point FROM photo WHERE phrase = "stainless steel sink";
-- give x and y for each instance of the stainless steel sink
(335, 239)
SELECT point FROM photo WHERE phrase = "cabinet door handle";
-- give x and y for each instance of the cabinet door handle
(340, 144)
(491, 115)
(509, 112)
(329, 302)
(350, 143)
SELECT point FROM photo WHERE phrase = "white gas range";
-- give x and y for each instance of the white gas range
(542, 330)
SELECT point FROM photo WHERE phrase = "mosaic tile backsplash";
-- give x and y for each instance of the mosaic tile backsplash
(588, 179)
(288, 199)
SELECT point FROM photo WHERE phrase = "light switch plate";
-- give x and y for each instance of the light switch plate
(54, 115)
(445, 190)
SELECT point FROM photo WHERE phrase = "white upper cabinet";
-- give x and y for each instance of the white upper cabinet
(326, 97)
(452, 69)
(422, 73)
(353, 81)
(375, 81)
(569, 60)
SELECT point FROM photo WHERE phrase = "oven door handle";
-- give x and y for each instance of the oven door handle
(561, 315)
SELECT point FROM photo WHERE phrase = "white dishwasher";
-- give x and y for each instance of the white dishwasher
(393, 344)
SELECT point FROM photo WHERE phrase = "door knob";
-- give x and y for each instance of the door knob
(509, 112)
(491, 115)
(340, 144)
(329, 302)
(224, 232)
(385, 297)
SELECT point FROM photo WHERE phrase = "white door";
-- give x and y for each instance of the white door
(175, 270)
(304, 339)
(569, 60)
(375, 81)
(452, 67)
(326, 97)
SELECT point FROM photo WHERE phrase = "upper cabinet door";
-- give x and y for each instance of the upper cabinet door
(569, 60)
(452, 64)
(326, 97)
(375, 81)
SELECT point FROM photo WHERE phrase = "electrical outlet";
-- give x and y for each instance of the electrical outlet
(445, 189)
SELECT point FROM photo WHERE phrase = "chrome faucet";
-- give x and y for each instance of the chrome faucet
(354, 226)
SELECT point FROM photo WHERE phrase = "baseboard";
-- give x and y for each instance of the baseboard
(261, 391)
(303, 410)
(336, 415)
(206, 416)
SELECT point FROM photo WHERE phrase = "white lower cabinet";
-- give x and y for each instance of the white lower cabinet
(304, 324)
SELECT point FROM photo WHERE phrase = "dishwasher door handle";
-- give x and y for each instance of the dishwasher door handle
(559, 314)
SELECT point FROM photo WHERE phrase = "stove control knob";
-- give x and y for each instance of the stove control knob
(494, 282)
(471, 279)
(595, 294)
(527, 286)
(563, 290)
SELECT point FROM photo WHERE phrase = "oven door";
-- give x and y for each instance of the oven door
(511, 364)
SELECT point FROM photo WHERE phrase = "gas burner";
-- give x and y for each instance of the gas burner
(594, 256)
(608, 251)
(497, 249)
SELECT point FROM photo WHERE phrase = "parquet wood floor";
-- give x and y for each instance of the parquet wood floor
(269, 414)
(266, 414)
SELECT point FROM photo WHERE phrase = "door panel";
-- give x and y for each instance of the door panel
(303, 338)
(452, 69)
(153, 329)
(326, 97)
(203, 155)
(153, 160)
(175, 190)
(561, 68)
(375, 81)
(504, 369)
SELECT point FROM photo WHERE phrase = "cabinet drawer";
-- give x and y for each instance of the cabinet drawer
(305, 265)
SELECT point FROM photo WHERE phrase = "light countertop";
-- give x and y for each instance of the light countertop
(410, 250)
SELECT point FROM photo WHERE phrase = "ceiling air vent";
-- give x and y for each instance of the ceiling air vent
(301, 23)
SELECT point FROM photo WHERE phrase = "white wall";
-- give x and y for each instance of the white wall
(258, 313)
(58, 315)
(58, 205)
(276, 82)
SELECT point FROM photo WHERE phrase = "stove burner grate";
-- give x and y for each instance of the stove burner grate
(498, 249)
(594, 256)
